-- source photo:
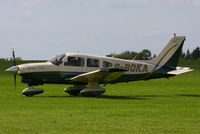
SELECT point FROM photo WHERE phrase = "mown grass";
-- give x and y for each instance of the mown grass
(145, 107)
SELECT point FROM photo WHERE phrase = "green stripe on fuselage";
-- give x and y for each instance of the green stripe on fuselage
(56, 77)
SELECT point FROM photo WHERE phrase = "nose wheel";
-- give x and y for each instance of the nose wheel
(30, 91)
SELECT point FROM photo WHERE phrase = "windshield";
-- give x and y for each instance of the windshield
(58, 59)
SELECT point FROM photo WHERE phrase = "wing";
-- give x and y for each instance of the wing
(180, 70)
(104, 75)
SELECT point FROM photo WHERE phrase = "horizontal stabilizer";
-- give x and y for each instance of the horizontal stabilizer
(180, 70)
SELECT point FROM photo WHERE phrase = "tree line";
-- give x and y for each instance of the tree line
(194, 55)
(130, 55)
(147, 55)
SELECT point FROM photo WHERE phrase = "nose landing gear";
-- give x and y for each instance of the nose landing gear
(30, 91)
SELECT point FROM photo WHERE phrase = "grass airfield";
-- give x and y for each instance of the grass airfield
(158, 106)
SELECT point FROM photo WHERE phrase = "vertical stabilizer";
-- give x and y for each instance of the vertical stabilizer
(169, 56)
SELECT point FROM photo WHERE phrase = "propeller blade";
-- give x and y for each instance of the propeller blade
(15, 81)
(14, 64)
(14, 61)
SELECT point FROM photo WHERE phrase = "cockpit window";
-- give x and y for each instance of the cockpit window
(57, 60)
(107, 64)
(74, 61)
(92, 62)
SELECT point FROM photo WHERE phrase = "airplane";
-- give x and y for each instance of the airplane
(86, 72)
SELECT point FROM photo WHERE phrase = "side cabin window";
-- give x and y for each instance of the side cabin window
(92, 62)
(74, 61)
(107, 64)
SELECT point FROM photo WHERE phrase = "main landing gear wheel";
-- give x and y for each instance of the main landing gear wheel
(74, 90)
(90, 92)
(93, 89)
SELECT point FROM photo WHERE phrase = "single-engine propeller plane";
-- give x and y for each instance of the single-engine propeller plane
(86, 72)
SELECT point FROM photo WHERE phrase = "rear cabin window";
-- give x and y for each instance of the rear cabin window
(74, 61)
(107, 64)
(92, 62)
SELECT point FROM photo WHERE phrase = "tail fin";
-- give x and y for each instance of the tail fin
(169, 56)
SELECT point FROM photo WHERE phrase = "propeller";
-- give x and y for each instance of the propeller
(14, 64)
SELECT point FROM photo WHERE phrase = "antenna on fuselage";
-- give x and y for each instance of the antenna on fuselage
(135, 56)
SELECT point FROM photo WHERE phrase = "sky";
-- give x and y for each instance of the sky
(42, 29)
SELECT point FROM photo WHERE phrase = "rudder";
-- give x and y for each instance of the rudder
(169, 56)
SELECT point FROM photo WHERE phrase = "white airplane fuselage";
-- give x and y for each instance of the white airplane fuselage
(44, 72)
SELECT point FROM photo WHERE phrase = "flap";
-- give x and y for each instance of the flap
(103, 75)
